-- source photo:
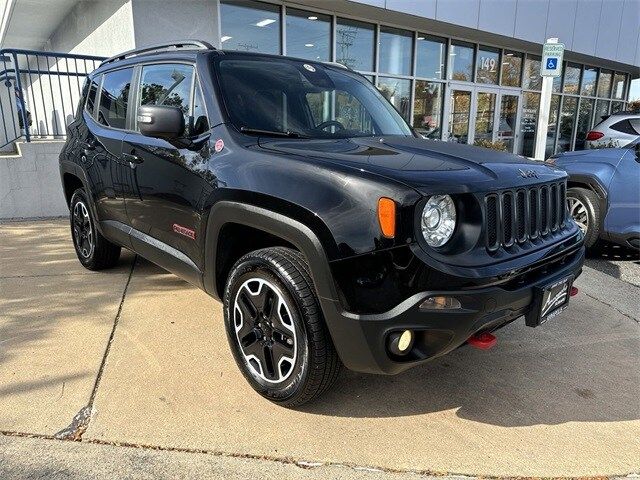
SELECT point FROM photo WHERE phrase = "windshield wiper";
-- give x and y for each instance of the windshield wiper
(275, 133)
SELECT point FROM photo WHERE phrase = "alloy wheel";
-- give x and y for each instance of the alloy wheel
(82, 231)
(578, 212)
(265, 330)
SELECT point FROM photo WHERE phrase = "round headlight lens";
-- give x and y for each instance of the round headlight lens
(438, 220)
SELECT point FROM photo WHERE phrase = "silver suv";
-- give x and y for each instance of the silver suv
(614, 131)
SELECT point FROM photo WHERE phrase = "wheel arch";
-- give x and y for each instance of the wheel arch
(283, 230)
(592, 183)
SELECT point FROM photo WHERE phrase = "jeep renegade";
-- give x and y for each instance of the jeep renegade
(297, 194)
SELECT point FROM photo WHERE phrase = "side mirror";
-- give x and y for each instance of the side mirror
(161, 121)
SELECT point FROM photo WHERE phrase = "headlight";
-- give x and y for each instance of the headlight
(438, 220)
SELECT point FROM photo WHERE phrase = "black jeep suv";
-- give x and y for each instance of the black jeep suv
(293, 191)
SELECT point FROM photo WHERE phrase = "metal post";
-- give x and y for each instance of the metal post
(543, 115)
(23, 113)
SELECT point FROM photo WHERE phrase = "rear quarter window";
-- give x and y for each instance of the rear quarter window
(91, 96)
(624, 126)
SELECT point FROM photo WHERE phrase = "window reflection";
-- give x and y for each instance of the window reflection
(484, 116)
(308, 35)
(395, 51)
(511, 69)
(572, 79)
(618, 85)
(584, 121)
(529, 123)
(397, 91)
(461, 62)
(427, 108)
(532, 79)
(354, 44)
(487, 66)
(459, 116)
(250, 26)
(602, 110)
(508, 119)
(552, 129)
(430, 57)
(589, 77)
(567, 120)
(604, 83)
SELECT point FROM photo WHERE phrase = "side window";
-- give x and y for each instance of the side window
(624, 126)
(114, 98)
(635, 123)
(200, 120)
(167, 84)
(91, 96)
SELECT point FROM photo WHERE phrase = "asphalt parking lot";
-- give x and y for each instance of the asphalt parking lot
(143, 357)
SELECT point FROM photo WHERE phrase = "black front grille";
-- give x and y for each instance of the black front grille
(523, 215)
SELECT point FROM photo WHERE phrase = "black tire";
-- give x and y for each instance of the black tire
(581, 197)
(93, 250)
(315, 366)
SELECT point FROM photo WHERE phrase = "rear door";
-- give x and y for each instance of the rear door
(169, 182)
(624, 196)
(102, 149)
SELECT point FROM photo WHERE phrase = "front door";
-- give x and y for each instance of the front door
(478, 114)
(169, 182)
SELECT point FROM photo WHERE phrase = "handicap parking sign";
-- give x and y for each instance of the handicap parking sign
(552, 55)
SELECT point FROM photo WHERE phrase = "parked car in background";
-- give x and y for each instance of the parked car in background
(614, 131)
(603, 193)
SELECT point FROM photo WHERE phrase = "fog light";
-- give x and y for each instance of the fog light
(400, 343)
(440, 303)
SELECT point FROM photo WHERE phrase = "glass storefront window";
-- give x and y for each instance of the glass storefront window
(617, 107)
(604, 83)
(552, 130)
(584, 121)
(396, 47)
(567, 121)
(589, 77)
(487, 65)
(511, 69)
(602, 110)
(532, 79)
(529, 123)
(485, 114)
(460, 62)
(398, 92)
(557, 83)
(618, 85)
(427, 108)
(308, 35)
(572, 79)
(250, 26)
(354, 44)
(459, 116)
(430, 57)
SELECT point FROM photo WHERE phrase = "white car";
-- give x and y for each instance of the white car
(616, 131)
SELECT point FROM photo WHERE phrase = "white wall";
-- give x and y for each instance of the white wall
(101, 28)
(30, 184)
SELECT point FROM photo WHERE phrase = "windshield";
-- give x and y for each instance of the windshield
(288, 97)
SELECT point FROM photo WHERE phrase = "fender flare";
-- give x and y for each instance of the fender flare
(291, 230)
(73, 169)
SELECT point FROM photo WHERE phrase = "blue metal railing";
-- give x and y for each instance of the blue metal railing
(41, 92)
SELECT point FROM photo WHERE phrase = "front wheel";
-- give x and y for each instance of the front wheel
(275, 327)
(584, 208)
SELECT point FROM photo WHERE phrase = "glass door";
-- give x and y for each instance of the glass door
(485, 121)
(507, 129)
(458, 114)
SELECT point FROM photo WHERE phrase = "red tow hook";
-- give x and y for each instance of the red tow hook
(574, 291)
(483, 341)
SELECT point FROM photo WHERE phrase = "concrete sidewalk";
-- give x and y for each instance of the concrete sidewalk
(146, 355)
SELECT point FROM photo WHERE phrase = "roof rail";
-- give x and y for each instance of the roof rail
(340, 65)
(199, 44)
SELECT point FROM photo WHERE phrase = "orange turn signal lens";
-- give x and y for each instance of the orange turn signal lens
(387, 217)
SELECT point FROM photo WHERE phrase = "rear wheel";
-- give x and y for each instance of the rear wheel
(584, 208)
(93, 250)
(275, 327)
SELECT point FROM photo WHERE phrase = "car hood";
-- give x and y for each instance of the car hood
(602, 155)
(426, 165)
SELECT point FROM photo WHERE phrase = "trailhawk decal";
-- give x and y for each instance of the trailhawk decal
(187, 232)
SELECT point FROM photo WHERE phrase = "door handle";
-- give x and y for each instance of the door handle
(133, 159)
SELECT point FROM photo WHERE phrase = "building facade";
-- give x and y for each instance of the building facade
(457, 70)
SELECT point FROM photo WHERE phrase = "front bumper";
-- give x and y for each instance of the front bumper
(361, 340)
